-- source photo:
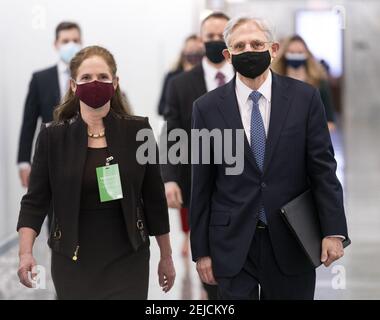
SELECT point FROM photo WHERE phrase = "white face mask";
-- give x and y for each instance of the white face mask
(68, 51)
(296, 56)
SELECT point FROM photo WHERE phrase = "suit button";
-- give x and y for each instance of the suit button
(263, 185)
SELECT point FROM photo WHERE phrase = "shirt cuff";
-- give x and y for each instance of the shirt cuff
(24, 165)
(337, 236)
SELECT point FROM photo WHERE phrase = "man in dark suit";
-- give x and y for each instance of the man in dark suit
(238, 237)
(46, 89)
(183, 90)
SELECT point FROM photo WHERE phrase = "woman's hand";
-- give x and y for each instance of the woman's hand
(166, 273)
(26, 264)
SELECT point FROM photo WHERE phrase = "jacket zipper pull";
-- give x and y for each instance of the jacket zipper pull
(75, 257)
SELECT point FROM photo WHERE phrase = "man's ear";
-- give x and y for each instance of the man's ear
(227, 55)
(275, 49)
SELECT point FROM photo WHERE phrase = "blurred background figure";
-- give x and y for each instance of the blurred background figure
(190, 56)
(46, 89)
(295, 60)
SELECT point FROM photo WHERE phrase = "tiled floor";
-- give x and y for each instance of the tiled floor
(357, 274)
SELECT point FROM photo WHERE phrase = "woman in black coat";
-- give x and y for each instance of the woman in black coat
(106, 199)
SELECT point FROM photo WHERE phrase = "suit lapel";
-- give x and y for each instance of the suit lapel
(229, 109)
(279, 109)
(75, 157)
(115, 137)
(198, 82)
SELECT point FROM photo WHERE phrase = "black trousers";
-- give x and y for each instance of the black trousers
(261, 278)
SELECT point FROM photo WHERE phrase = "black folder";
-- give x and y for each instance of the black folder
(301, 216)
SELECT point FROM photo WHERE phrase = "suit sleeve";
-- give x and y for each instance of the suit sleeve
(35, 203)
(29, 122)
(170, 172)
(202, 183)
(321, 166)
(153, 195)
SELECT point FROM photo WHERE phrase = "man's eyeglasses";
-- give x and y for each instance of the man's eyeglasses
(255, 45)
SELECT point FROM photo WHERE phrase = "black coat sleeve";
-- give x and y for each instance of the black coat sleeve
(321, 166)
(171, 172)
(35, 203)
(153, 195)
(29, 122)
(202, 184)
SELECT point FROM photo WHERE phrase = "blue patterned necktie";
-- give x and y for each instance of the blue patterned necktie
(258, 139)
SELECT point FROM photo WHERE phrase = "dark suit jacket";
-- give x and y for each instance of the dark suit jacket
(43, 96)
(57, 171)
(162, 105)
(299, 155)
(183, 90)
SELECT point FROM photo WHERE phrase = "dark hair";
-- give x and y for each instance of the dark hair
(69, 107)
(179, 64)
(66, 25)
(315, 71)
(215, 15)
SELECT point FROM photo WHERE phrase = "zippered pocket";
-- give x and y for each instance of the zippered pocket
(140, 224)
(55, 236)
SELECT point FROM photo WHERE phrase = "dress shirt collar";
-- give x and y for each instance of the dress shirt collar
(63, 68)
(243, 91)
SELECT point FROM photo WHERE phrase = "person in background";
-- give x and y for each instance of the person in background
(106, 203)
(295, 60)
(46, 89)
(183, 90)
(191, 55)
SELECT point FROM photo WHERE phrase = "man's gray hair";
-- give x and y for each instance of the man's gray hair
(263, 24)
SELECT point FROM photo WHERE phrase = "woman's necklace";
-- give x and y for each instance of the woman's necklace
(101, 134)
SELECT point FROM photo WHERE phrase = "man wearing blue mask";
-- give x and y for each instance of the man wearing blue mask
(46, 89)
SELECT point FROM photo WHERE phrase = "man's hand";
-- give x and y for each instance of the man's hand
(173, 195)
(331, 126)
(204, 268)
(24, 176)
(332, 249)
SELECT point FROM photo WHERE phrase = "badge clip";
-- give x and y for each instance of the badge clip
(108, 160)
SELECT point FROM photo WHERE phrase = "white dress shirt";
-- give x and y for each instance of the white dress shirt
(63, 77)
(245, 104)
(210, 74)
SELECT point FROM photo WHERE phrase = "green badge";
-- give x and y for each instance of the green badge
(109, 183)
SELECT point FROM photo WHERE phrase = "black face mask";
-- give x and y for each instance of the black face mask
(194, 58)
(251, 64)
(214, 51)
(295, 63)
